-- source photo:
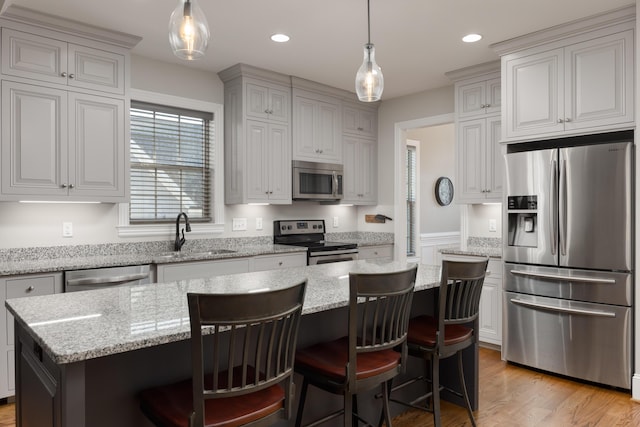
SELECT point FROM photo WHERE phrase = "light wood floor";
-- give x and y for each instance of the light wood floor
(515, 397)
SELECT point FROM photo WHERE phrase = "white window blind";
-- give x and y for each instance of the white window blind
(411, 200)
(170, 163)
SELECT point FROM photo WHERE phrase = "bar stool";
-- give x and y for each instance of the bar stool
(254, 334)
(448, 333)
(379, 310)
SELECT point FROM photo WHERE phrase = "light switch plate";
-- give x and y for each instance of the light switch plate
(336, 222)
(492, 225)
(67, 229)
(258, 223)
(239, 224)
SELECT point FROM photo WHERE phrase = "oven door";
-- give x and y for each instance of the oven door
(325, 257)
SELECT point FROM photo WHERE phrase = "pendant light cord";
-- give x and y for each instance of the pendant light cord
(368, 23)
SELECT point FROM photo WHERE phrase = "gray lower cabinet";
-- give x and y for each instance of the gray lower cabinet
(376, 252)
(18, 287)
(197, 269)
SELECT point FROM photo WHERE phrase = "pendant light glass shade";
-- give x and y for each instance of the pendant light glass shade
(188, 31)
(369, 79)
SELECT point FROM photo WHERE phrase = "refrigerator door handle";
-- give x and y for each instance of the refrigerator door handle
(583, 279)
(562, 203)
(563, 309)
(553, 209)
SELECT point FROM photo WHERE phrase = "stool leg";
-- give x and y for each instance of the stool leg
(386, 391)
(303, 397)
(348, 410)
(435, 386)
(464, 389)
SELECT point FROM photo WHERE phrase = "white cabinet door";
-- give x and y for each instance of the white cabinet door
(317, 128)
(490, 318)
(534, 85)
(582, 87)
(376, 252)
(478, 98)
(34, 141)
(95, 69)
(495, 160)
(18, 287)
(268, 178)
(358, 121)
(97, 148)
(600, 76)
(360, 166)
(76, 151)
(267, 103)
(32, 56)
(479, 161)
(278, 261)
(470, 153)
(201, 269)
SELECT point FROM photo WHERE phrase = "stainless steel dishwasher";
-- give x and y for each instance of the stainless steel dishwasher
(100, 278)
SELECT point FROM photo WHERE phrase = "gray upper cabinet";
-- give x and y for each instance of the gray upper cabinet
(570, 80)
(317, 122)
(55, 61)
(75, 89)
(257, 136)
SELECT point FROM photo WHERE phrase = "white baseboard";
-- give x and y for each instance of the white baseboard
(431, 243)
(635, 387)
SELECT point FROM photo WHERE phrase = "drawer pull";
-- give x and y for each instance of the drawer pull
(563, 309)
(564, 278)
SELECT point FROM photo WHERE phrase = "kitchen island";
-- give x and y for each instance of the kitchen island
(81, 358)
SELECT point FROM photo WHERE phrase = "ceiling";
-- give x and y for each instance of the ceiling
(416, 41)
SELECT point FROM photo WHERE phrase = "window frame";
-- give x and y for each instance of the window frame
(124, 227)
(416, 238)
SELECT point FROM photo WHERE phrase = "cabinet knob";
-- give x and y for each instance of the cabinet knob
(63, 74)
(560, 121)
(567, 120)
(487, 105)
(63, 185)
(360, 129)
(30, 289)
(280, 263)
(71, 186)
(71, 76)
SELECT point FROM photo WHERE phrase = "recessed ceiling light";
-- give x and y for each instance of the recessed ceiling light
(471, 38)
(280, 38)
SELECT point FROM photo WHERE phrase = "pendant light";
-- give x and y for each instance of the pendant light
(369, 80)
(188, 30)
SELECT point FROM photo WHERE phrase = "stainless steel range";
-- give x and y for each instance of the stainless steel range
(311, 234)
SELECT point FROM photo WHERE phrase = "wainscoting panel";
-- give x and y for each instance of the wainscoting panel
(431, 243)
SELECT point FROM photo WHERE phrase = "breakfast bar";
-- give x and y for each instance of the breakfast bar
(82, 357)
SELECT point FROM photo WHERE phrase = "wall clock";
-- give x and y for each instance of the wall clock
(444, 191)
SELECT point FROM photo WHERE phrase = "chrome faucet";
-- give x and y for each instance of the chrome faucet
(180, 240)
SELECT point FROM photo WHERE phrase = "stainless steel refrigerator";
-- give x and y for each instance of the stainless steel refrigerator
(568, 259)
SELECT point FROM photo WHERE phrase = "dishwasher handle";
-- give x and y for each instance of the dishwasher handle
(106, 280)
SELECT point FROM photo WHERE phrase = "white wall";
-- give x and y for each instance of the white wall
(437, 158)
(25, 225)
(417, 106)
(479, 216)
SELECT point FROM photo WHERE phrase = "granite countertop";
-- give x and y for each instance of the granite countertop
(78, 326)
(478, 246)
(79, 257)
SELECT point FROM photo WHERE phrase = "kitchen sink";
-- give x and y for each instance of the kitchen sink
(195, 255)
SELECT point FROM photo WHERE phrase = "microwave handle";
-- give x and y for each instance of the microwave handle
(335, 184)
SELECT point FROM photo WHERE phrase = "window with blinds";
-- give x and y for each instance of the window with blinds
(170, 163)
(411, 200)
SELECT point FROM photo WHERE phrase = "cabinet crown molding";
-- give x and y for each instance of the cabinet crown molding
(486, 68)
(618, 16)
(245, 70)
(31, 17)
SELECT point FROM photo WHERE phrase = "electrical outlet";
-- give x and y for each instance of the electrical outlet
(258, 223)
(239, 224)
(336, 222)
(492, 225)
(67, 229)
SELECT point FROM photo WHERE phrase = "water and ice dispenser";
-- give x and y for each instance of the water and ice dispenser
(522, 217)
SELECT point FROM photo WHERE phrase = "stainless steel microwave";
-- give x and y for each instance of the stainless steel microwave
(317, 181)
